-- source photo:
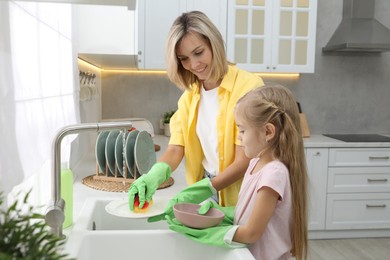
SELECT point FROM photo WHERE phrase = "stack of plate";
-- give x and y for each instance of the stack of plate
(115, 150)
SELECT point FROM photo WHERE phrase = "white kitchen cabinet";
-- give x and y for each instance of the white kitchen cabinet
(358, 179)
(156, 18)
(362, 157)
(358, 189)
(272, 35)
(105, 29)
(358, 211)
(317, 165)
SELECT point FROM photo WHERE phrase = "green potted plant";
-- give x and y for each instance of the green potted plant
(25, 235)
(166, 120)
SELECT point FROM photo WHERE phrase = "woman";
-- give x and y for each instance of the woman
(203, 129)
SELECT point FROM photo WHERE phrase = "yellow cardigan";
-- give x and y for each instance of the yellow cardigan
(183, 128)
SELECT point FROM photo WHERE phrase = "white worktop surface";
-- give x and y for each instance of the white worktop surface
(318, 141)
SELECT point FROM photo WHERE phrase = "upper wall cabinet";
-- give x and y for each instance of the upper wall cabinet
(104, 29)
(154, 25)
(272, 35)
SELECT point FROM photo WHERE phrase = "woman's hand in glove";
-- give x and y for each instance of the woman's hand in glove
(217, 236)
(146, 185)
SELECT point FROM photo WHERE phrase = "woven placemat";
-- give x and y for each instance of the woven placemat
(114, 186)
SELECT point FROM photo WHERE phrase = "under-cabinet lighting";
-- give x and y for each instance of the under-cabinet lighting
(136, 71)
(261, 74)
(88, 64)
(278, 75)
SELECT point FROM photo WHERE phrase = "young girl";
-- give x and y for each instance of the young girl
(270, 216)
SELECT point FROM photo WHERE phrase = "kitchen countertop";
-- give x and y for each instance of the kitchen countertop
(88, 165)
(320, 141)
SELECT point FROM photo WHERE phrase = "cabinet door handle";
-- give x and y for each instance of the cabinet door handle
(378, 157)
(377, 180)
(376, 206)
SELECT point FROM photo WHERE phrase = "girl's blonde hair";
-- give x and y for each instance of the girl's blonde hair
(198, 22)
(276, 104)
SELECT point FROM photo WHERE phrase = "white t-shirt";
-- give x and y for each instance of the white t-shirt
(206, 129)
(275, 243)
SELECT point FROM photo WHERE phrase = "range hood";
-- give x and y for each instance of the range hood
(359, 31)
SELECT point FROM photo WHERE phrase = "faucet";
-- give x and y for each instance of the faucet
(55, 215)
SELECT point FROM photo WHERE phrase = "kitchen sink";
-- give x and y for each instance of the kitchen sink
(146, 245)
(359, 138)
(99, 235)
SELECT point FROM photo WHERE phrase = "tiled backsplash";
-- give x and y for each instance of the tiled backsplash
(138, 95)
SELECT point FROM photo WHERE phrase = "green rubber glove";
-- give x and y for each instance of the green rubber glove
(228, 211)
(195, 193)
(214, 236)
(146, 185)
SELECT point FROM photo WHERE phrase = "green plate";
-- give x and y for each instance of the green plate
(144, 153)
(110, 150)
(129, 152)
(100, 148)
(119, 151)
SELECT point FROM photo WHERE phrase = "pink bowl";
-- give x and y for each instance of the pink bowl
(187, 214)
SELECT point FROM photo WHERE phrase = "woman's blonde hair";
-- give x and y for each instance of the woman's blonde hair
(276, 104)
(198, 22)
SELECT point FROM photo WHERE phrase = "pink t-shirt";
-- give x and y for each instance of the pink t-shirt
(275, 242)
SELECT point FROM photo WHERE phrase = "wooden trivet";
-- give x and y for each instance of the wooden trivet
(115, 186)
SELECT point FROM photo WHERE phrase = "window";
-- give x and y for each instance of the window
(38, 88)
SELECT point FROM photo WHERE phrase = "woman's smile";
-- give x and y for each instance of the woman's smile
(195, 55)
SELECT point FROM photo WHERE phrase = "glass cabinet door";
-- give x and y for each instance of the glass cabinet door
(294, 35)
(272, 35)
(248, 26)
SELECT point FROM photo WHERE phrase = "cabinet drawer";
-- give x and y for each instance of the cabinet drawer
(358, 211)
(358, 179)
(359, 157)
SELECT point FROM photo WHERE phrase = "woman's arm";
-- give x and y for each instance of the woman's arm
(172, 156)
(265, 204)
(233, 172)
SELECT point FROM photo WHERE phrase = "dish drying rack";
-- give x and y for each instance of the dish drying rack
(116, 178)
(125, 178)
(121, 182)
(116, 183)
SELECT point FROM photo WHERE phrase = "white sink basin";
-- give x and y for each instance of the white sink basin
(119, 238)
(146, 245)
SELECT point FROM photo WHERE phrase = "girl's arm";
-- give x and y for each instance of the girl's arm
(233, 172)
(265, 204)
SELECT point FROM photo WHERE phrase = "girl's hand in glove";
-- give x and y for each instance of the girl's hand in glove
(217, 236)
